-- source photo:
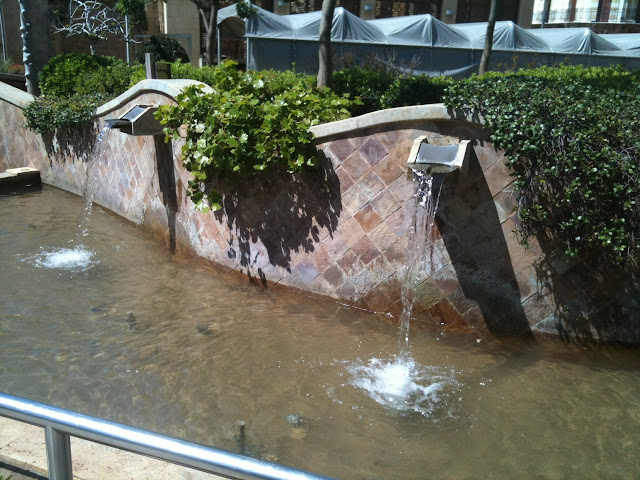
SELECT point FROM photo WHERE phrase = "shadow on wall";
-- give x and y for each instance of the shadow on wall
(472, 233)
(77, 142)
(283, 213)
(592, 305)
(167, 182)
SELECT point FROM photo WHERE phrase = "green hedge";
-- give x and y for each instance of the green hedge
(379, 89)
(252, 122)
(72, 86)
(52, 113)
(78, 73)
(572, 135)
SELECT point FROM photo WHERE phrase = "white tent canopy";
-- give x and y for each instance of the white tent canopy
(419, 43)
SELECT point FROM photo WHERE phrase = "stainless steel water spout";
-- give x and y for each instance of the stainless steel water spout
(432, 158)
(138, 120)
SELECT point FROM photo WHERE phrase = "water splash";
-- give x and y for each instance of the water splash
(73, 259)
(404, 385)
(91, 185)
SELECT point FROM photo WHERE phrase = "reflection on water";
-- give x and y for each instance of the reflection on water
(147, 340)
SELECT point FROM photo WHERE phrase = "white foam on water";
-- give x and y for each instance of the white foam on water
(78, 259)
(402, 384)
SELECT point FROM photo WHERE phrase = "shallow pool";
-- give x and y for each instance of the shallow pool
(119, 329)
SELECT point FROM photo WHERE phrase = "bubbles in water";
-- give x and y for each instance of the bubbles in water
(76, 259)
(402, 384)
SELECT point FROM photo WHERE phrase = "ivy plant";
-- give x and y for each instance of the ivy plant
(251, 123)
(572, 136)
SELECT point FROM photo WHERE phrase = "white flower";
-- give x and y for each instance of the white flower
(259, 84)
(199, 128)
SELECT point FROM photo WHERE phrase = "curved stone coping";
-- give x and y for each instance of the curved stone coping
(170, 88)
(417, 113)
(15, 96)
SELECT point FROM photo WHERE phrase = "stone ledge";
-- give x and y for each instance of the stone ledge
(15, 96)
(398, 115)
(170, 88)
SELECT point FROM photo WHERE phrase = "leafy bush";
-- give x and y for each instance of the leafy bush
(420, 90)
(51, 113)
(252, 122)
(79, 73)
(378, 89)
(209, 75)
(573, 142)
(164, 47)
(365, 83)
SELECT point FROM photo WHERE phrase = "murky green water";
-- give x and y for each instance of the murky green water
(137, 337)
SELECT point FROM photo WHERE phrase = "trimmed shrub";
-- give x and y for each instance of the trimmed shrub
(51, 113)
(420, 90)
(79, 73)
(366, 84)
(165, 48)
(572, 136)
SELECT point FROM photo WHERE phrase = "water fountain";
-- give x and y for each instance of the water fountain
(401, 383)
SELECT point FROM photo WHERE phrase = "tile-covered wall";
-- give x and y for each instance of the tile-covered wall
(341, 233)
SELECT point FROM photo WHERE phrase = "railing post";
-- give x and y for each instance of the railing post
(58, 454)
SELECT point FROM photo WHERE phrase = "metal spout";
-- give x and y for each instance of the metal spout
(432, 158)
(138, 120)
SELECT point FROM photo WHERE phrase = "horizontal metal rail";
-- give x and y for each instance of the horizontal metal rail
(59, 424)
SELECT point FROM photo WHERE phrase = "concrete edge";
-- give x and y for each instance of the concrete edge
(170, 88)
(15, 96)
(416, 113)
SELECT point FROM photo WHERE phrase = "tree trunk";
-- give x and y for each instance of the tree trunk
(210, 29)
(488, 39)
(93, 41)
(30, 73)
(325, 66)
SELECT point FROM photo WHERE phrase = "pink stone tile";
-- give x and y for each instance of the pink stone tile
(321, 258)
(400, 222)
(354, 199)
(385, 204)
(350, 263)
(345, 180)
(372, 151)
(402, 189)
(334, 276)
(368, 218)
(371, 185)
(336, 245)
(341, 148)
(351, 231)
(391, 138)
(383, 237)
(400, 153)
(388, 170)
(355, 166)
(365, 250)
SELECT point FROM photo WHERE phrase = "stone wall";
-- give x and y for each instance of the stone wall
(341, 233)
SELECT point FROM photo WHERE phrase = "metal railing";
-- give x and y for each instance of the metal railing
(59, 424)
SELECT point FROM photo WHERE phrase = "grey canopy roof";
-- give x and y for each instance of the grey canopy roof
(420, 30)
(275, 41)
(581, 41)
(506, 36)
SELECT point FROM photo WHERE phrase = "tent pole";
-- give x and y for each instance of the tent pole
(218, 36)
